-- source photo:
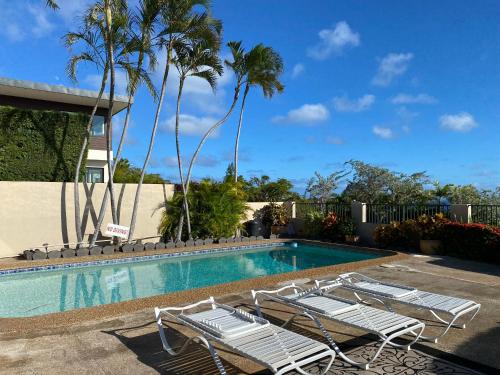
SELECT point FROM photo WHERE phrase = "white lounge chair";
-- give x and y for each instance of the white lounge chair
(315, 305)
(252, 337)
(388, 294)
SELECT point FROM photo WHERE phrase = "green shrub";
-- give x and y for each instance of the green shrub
(471, 241)
(273, 214)
(387, 235)
(40, 145)
(216, 210)
(313, 224)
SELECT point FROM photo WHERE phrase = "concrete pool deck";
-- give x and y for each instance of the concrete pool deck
(129, 343)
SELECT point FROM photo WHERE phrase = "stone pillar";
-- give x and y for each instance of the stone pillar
(293, 211)
(358, 212)
(461, 213)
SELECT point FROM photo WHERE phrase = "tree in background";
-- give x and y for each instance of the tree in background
(323, 188)
(263, 68)
(125, 173)
(263, 189)
(372, 184)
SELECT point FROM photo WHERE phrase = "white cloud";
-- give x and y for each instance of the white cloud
(382, 132)
(334, 41)
(391, 66)
(297, 70)
(71, 10)
(306, 114)
(461, 122)
(190, 125)
(413, 99)
(13, 32)
(21, 20)
(334, 140)
(344, 104)
(42, 26)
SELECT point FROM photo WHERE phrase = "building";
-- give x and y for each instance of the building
(33, 96)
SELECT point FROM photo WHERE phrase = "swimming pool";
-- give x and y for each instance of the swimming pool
(67, 287)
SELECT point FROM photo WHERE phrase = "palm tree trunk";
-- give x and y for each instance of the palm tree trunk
(109, 118)
(208, 134)
(237, 143)
(150, 148)
(78, 222)
(104, 203)
(200, 145)
(179, 161)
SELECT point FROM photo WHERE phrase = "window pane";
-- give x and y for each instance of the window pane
(97, 126)
(94, 175)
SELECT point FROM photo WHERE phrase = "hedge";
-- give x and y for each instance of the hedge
(40, 145)
(471, 241)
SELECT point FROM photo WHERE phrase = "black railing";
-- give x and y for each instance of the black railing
(486, 214)
(386, 213)
(342, 210)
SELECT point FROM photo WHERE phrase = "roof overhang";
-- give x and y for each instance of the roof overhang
(58, 94)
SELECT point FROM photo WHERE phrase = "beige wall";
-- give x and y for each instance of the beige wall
(33, 213)
(255, 206)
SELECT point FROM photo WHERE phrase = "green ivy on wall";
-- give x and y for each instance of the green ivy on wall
(40, 145)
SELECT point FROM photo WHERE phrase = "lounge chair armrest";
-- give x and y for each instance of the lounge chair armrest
(181, 309)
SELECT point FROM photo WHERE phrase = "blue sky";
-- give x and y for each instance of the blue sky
(411, 86)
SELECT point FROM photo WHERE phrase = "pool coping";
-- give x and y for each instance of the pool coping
(72, 317)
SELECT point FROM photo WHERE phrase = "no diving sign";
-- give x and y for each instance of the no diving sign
(113, 230)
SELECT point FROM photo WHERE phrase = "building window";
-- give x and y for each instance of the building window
(97, 129)
(94, 175)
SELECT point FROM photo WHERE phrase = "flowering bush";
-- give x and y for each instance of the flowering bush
(468, 241)
(331, 226)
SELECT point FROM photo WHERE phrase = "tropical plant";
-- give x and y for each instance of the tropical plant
(237, 65)
(198, 59)
(313, 224)
(137, 41)
(273, 214)
(263, 67)
(52, 4)
(218, 210)
(93, 36)
(179, 23)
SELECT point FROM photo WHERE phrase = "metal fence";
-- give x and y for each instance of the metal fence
(341, 210)
(386, 213)
(486, 214)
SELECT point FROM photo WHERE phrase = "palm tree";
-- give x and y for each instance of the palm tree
(141, 29)
(199, 59)
(238, 66)
(93, 53)
(179, 24)
(96, 37)
(263, 67)
(52, 4)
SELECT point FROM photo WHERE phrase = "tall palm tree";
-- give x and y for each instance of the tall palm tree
(263, 68)
(140, 42)
(96, 37)
(179, 23)
(94, 53)
(199, 59)
(238, 66)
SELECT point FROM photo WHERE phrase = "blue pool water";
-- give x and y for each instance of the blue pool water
(42, 292)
